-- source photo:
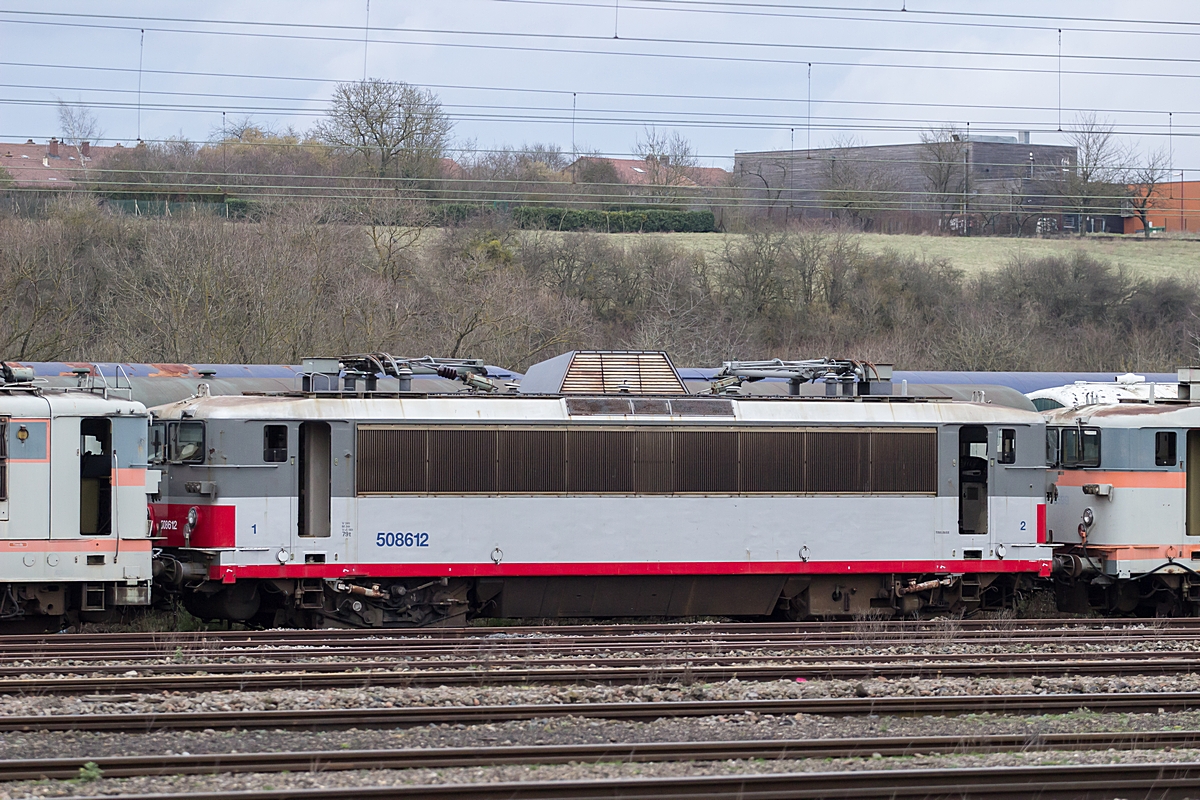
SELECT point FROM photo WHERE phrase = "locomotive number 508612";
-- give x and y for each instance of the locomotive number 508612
(410, 539)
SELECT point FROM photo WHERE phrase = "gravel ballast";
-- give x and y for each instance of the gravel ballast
(400, 697)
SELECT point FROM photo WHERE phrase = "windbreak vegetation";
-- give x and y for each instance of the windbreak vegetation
(82, 282)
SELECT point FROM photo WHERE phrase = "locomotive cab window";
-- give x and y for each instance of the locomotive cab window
(275, 444)
(158, 443)
(1164, 449)
(185, 442)
(1081, 447)
(1052, 447)
(1008, 446)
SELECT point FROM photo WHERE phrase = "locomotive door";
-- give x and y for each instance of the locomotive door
(1192, 468)
(95, 476)
(973, 479)
(316, 474)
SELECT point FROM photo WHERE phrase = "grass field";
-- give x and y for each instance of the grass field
(1153, 258)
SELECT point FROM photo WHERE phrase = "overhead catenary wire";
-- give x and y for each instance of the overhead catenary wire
(534, 90)
(929, 17)
(1099, 57)
(698, 119)
(906, 16)
(633, 118)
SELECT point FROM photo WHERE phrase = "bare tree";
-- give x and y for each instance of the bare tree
(943, 164)
(670, 164)
(1094, 185)
(78, 125)
(858, 187)
(771, 177)
(400, 130)
(1145, 186)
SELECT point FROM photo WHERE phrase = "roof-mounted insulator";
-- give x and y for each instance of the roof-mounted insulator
(15, 373)
(322, 374)
(848, 376)
(480, 383)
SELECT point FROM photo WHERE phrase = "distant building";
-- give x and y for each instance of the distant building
(53, 166)
(649, 172)
(963, 176)
(1175, 206)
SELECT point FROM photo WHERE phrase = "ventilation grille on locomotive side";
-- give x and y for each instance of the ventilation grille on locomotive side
(480, 460)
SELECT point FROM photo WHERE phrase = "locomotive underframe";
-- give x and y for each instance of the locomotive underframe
(418, 602)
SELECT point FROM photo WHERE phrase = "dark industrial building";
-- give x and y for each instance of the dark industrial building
(961, 181)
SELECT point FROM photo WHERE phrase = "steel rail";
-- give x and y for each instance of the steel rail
(97, 655)
(408, 716)
(627, 752)
(1082, 782)
(851, 664)
(382, 646)
(578, 675)
(724, 629)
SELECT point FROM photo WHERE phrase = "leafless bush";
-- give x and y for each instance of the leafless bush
(322, 276)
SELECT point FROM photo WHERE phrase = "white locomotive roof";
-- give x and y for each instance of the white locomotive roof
(1129, 415)
(1127, 388)
(516, 409)
(65, 404)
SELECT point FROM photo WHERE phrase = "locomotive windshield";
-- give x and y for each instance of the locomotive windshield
(1081, 447)
(177, 442)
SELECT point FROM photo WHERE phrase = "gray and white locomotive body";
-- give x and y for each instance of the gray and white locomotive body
(1124, 510)
(73, 515)
(353, 508)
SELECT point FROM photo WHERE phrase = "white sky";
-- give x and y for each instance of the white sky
(720, 103)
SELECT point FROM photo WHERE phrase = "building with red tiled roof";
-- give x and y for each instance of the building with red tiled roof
(645, 172)
(52, 166)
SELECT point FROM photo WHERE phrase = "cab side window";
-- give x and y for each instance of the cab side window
(1052, 447)
(275, 444)
(1081, 447)
(1164, 449)
(158, 443)
(185, 442)
(1008, 446)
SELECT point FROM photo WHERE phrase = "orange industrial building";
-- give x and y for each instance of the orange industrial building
(1176, 208)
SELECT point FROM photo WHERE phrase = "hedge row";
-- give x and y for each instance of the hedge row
(647, 221)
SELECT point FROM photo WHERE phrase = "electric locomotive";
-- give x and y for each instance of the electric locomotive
(600, 487)
(1124, 499)
(74, 538)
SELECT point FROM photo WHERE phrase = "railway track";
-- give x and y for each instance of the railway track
(285, 676)
(408, 716)
(814, 664)
(458, 757)
(1161, 781)
(293, 645)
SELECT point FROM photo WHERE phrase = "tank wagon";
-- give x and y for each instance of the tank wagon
(1124, 498)
(74, 537)
(601, 489)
